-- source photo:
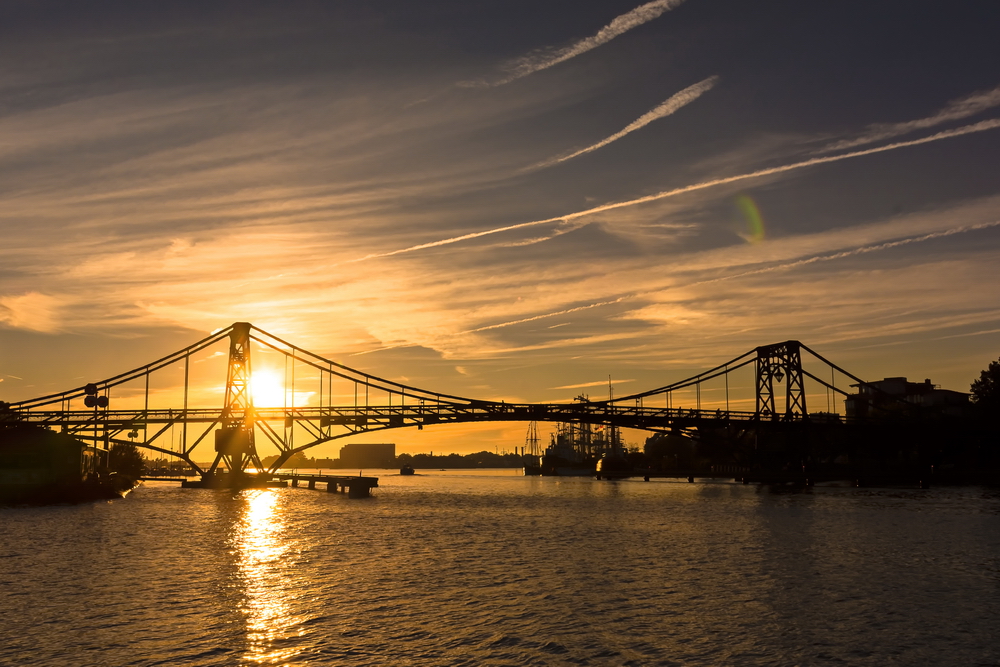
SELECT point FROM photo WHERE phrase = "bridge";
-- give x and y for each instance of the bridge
(349, 402)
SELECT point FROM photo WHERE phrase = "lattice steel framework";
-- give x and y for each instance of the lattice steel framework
(781, 362)
(234, 442)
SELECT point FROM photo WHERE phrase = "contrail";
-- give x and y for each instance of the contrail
(686, 96)
(854, 251)
(981, 126)
(954, 110)
(789, 265)
(544, 59)
(541, 317)
(560, 230)
(966, 335)
(599, 383)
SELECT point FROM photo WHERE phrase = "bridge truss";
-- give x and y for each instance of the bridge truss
(346, 402)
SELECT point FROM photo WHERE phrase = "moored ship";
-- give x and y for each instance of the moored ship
(39, 466)
(529, 453)
(574, 449)
(613, 465)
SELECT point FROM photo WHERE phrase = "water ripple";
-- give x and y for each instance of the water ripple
(490, 569)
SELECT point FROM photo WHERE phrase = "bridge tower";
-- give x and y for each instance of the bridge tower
(234, 442)
(781, 362)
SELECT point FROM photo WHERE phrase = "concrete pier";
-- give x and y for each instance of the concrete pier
(354, 487)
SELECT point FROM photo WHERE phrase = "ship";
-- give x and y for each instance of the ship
(613, 464)
(529, 453)
(39, 466)
(575, 449)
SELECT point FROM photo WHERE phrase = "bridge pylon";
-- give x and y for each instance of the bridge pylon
(234, 442)
(781, 362)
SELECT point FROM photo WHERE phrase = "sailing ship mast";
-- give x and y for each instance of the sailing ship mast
(614, 436)
(531, 440)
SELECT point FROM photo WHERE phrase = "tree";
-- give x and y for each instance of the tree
(126, 459)
(986, 390)
(299, 460)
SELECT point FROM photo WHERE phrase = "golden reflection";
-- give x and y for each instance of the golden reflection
(261, 543)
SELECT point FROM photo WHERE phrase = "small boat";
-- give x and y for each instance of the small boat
(613, 466)
(406, 469)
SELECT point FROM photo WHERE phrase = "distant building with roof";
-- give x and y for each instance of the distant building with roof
(897, 396)
(368, 455)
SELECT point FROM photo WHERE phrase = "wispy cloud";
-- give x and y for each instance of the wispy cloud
(954, 110)
(32, 311)
(666, 108)
(783, 266)
(545, 58)
(981, 126)
(855, 251)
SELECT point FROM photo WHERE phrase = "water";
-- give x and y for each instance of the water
(490, 568)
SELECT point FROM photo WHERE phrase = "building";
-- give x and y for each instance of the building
(35, 460)
(897, 396)
(368, 455)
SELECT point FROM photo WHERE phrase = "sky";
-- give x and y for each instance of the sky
(502, 200)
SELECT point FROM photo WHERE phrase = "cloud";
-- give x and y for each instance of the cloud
(954, 110)
(675, 102)
(857, 251)
(32, 311)
(545, 58)
(981, 126)
(687, 316)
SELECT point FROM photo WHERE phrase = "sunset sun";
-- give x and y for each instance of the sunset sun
(267, 389)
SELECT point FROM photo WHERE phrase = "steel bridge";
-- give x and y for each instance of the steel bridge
(236, 427)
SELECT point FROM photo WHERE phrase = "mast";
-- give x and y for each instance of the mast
(531, 440)
(613, 435)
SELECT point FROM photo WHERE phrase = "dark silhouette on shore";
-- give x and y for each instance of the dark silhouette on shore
(918, 435)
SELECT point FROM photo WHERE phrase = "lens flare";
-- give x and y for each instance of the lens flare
(754, 230)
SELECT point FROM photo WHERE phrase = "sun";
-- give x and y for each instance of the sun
(267, 389)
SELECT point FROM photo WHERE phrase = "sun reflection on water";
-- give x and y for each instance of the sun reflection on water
(262, 547)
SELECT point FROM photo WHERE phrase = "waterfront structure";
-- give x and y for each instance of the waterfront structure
(40, 465)
(368, 455)
(33, 456)
(896, 395)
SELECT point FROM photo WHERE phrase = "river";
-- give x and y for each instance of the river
(491, 568)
